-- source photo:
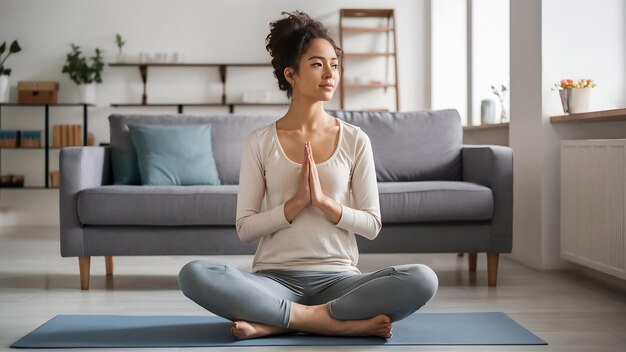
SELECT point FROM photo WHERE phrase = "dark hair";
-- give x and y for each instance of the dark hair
(289, 39)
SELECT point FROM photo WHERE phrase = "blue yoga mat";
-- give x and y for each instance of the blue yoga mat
(69, 331)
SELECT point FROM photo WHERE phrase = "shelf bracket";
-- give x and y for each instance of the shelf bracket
(143, 70)
(46, 146)
(223, 79)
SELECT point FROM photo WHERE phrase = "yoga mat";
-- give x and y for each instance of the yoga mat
(70, 331)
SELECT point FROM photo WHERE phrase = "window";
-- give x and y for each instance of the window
(469, 54)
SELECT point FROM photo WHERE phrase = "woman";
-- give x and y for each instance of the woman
(317, 174)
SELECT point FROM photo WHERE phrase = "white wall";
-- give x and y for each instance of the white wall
(524, 128)
(551, 40)
(206, 31)
(594, 48)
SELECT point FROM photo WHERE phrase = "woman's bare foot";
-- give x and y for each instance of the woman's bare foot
(317, 320)
(245, 330)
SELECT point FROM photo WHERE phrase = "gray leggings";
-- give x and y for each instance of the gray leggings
(265, 297)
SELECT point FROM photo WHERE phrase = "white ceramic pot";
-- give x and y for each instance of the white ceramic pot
(4, 89)
(87, 93)
(579, 99)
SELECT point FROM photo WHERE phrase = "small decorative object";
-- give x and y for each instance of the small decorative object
(178, 57)
(160, 57)
(84, 74)
(91, 139)
(501, 94)
(37, 92)
(487, 111)
(12, 181)
(575, 96)
(119, 41)
(54, 179)
(6, 72)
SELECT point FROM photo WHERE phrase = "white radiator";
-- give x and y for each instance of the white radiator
(593, 204)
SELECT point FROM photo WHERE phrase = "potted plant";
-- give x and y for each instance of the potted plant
(85, 74)
(119, 42)
(6, 72)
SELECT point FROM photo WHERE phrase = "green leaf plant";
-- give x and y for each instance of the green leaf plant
(14, 48)
(78, 68)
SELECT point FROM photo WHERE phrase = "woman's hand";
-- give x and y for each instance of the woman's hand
(302, 198)
(310, 191)
(303, 195)
(327, 205)
(317, 196)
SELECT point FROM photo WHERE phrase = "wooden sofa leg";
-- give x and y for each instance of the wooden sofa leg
(108, 262)
(471, 259)
(83, 266)
(492, 268)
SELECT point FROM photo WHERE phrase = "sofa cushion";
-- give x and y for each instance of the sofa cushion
(174, 155)
(431, 201)
(400, 202)
(228, 134)
(412, 146)
(158, 205)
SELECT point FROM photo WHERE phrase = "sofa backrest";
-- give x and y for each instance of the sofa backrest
(228, 134)
(412, 146)
(407, 146)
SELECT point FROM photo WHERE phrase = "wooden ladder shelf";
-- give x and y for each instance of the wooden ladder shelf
(391, 52)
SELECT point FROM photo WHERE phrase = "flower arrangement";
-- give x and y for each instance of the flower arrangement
(568, 83)
(574, 100)
(501, 94)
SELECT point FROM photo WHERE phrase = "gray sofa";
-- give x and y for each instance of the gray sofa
(436, 194)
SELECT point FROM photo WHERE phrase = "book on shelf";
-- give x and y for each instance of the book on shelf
(9, 138)
(30, 139)
(67, 136)
(21, 139)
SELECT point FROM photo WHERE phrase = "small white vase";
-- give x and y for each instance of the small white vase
(487, 112)
(4, 89)
(579, 99)
(87, 93)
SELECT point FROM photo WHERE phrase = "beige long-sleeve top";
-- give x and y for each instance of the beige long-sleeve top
(311, 242)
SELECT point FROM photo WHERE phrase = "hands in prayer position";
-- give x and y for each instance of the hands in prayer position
(310, 189)
(317, 196)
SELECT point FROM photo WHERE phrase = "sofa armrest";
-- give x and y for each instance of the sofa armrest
(79, 168)
(492, 166)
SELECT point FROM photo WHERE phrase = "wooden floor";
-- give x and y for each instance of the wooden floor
(571, 310)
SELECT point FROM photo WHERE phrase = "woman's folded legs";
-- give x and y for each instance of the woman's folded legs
(396, 291)
(262, 304)
(236, 295)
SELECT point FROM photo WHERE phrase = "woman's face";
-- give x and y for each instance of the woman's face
(318, 73)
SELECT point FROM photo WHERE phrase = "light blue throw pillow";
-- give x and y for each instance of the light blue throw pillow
(174, 155)
(125, 169)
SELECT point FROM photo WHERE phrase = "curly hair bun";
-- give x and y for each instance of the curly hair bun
(289, 39)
